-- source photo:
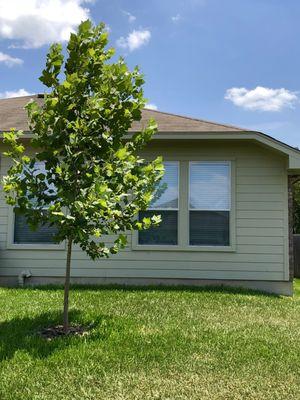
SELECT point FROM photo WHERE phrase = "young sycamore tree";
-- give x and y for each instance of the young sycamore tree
(94, 182)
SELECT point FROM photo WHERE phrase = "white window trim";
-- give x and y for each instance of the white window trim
(183, 213)
(178, 186)
(27, 246)
(159, 246)
(229, 163)
(229, 186)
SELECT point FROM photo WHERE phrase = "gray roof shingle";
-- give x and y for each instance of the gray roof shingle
(13, 115)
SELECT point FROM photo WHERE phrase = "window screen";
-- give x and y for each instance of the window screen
(164, 203)
(24, 235)
(209, 203)
(22, 232)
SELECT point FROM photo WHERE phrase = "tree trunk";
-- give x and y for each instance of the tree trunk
(67, 287)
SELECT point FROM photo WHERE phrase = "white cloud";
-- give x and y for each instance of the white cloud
(17, 93)
(151, 106)
(9, 60)
(131, 18)
(262, 98)
(134, 40)
(33, 23)
(176, 18)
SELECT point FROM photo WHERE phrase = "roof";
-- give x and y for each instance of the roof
(170, 127)
(13, 115)
(168, 122)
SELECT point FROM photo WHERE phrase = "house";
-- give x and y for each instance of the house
(225, 211)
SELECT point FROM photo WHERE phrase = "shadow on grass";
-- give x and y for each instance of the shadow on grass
(24, 334)
(221, 289)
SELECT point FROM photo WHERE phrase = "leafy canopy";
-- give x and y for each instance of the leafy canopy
(94, 182)
(296, 207)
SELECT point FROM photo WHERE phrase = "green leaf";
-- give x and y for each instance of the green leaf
(122, 239)
(66, 84)
(91, 52)
(146, 222)
(94, 183)
(71, 106)
(122, 153)
(156, 219)
(85, 26)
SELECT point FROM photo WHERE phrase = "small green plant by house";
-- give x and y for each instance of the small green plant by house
(92, 181)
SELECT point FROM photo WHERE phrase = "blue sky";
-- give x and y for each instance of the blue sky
(233, 61)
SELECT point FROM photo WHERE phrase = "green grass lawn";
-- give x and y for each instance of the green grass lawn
(151, 344)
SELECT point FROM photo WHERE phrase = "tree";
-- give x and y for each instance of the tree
(94, 182)
(296, 207)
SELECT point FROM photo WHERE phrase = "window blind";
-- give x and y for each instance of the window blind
(24, 235)
(164, 203)
(209, 203)
(166, 233)
(209, 186)
(209, 228)
(166, 194)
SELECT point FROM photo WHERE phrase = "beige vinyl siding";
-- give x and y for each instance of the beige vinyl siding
(261, 226)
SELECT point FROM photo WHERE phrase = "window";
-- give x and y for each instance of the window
(22, 234)
(164, 203)
(209, 203)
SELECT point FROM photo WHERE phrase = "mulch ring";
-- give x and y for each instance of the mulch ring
(53, 332)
